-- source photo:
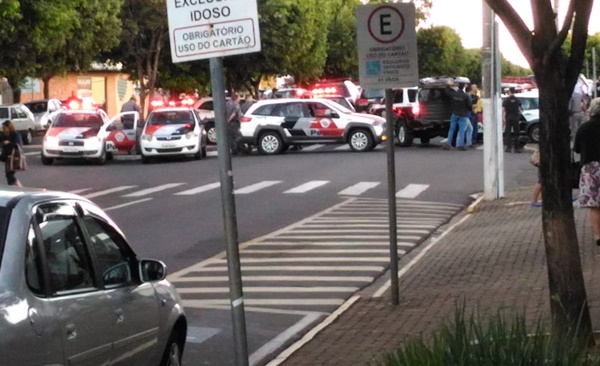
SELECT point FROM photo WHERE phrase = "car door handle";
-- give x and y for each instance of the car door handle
(71, 331)
(119, 315)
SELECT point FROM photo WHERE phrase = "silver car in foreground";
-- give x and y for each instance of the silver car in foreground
(72, 291)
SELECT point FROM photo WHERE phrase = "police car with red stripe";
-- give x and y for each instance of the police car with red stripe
(275, 124)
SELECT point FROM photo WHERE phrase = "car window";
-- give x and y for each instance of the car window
(373, 93)
(78, 120)
(33, 265)
(21, 113)
(208, 105)
(318, 110)
(294, 110)
(430, 95)
(398, 96)
(37, 107)
(67, 257)
(529, 103)
(115, 259)
(170, 118)
(4, 113)
(412, 95)
(4, 216)
(265, 110)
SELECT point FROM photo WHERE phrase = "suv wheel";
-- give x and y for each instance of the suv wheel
(360, 140)
(270, 143)
(46, 161)
(403, 135)
(534, 133)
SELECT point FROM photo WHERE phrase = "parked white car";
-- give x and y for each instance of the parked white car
(41, 110)
(22, 119)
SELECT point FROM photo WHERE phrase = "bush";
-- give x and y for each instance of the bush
(498, 343)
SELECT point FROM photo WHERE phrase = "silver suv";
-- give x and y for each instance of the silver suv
(72, 291)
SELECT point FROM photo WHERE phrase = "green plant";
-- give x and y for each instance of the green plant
(497, 342)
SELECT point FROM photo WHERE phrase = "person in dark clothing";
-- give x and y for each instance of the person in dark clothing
(247, 104)
(511, 110)
(461, 106)
(234, 115)
(586, 144)
(10, 140)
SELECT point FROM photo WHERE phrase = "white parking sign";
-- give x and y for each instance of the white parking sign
(200, 29)
(387, 45)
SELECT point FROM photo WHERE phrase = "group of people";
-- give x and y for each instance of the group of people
(466, 109)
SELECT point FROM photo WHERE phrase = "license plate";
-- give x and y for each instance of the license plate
(168, 145)
(71, 149)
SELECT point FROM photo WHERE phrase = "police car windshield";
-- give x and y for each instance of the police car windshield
(170, 118)
(340, 108)
(78, 120)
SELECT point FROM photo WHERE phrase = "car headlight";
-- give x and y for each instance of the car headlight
(147, 137)
(50, 138)
(189, 135)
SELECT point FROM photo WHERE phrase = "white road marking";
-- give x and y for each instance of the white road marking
(298, 268)
(278, 278)
(383, 243)
(198, 335)
(328, 225)
(78, 191)
(278, 289)
(212, 153)
(31, 153)
(334, 231)
(108, 191)
(260, 302)
(358, 189)
(412, 190)
(400, 213)
(127, 204)
(318, 251)
(317, 237)
(256, 187)
(313, 332)
(145, 192)
(309, 260)
(407, 221)
(303, 188)
(198, 190)
(312, 147)
(344, 147)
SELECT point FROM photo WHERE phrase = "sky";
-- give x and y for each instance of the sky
(465, 16)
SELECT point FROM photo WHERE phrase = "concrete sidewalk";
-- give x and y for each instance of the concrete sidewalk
(493, 260)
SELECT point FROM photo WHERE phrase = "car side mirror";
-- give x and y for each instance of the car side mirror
(334, 114)
(111, 127)
(152, 270)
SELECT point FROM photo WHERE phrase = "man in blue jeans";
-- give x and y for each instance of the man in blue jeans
(461, 106)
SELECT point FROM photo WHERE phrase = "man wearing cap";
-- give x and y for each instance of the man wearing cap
(130, 106)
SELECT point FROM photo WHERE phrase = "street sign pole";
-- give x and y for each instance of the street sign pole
(236, 293)
(391, 171)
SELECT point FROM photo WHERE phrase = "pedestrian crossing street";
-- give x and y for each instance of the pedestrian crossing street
(318, 263)
(410, 191)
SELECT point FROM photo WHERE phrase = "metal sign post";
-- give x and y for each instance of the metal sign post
(207, 29)
(387, 53)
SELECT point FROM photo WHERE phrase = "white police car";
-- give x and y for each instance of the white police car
(173, 131)
(275, 124)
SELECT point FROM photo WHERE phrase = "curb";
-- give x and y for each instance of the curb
(472, 206)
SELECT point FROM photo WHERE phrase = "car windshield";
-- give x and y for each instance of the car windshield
(341, 108)
(78, 120)
(373, 93)
(170, 118)
(37, 107)
(4, 215)
(3, 112)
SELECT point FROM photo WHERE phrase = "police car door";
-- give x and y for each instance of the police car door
(325, 122)
(120, 133)
(296, 121)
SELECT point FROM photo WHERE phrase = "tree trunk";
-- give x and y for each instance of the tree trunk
(568, 299)
(46, 81)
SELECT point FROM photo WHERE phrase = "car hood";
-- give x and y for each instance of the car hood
(366, 118)
(70, 132)
(168, 130)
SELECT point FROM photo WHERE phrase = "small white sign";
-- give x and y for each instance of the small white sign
(387, 45)
(200, 29)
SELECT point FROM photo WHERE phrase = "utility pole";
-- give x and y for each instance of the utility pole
(493, 158)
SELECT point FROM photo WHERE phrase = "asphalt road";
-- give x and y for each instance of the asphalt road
(312, 227)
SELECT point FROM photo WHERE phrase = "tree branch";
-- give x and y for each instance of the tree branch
(582, 9)
(562, 35)
(515, 25)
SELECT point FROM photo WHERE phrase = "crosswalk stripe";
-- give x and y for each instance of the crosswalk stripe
(362, 237)
(358, 189)
(257, 289)
(79, 191)
(318, 251)
(386, 226)
(148, 191)
(302, 230)
(265, 302)
(31, 153)
(276, 278)
(212, 153)
(383, 243)
(312, 147)
(343, 148)
(297, 268)
(303, 188)
(256, 187)
(204, 188)
(308, 259)
(109, 191)
(412, 190)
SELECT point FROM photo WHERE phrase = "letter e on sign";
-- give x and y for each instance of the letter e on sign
(386, 24)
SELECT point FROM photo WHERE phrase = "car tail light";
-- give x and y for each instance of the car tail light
(398, 111)
(362, 102)
(245, 119)
(416, 109)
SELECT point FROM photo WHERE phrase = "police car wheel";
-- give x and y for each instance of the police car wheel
(404, 136)
(47, 161)
(211, 134)
(102, 159)
(534, 133)
(269, 143)
(361, 140)
(145, 159)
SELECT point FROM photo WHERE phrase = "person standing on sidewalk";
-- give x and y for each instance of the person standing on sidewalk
(11, 144)
(586, 144)
(476, 112)
(511, 111)
(461, 105)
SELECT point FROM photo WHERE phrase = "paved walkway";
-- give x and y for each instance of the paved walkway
(494, 260)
